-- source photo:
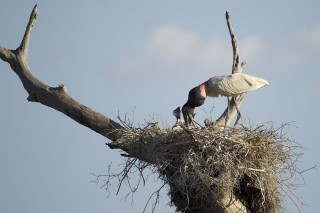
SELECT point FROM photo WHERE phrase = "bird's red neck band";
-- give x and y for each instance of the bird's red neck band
(202, 88)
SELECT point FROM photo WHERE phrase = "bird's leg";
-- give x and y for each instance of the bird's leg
(227, 117)
(195, 124)
(191, 120)
(238, 112)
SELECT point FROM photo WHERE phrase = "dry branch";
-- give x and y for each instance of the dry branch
(237, 66)
(54, 97)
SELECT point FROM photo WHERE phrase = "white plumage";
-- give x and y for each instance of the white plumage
(233, 85)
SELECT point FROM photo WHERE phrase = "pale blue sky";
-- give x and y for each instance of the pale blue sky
(145, 55)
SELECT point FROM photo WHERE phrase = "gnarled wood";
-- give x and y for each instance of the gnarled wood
(55, 97)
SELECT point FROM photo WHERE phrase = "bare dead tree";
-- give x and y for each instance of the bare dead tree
(144, 145)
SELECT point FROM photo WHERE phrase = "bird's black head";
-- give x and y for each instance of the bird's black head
(195, 99)
(187, 113)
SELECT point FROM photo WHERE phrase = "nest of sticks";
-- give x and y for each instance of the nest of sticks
(202, 166)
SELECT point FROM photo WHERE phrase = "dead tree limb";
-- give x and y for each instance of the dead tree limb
(54, 97)
(59, 99)
(237, 66)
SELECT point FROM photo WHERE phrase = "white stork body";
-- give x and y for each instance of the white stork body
(226, 85)
(233, 85)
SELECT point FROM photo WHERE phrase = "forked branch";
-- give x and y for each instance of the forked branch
(54, 97)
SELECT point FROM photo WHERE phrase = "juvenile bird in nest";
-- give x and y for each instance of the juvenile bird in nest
(226, 85)
(176, 113)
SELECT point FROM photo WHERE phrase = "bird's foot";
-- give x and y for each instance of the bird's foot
(208, 122)
(178, 123)
(196, 125)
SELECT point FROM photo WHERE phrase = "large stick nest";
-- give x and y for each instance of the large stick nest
(204, 166)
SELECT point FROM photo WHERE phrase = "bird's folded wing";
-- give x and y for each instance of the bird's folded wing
(239, 83)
